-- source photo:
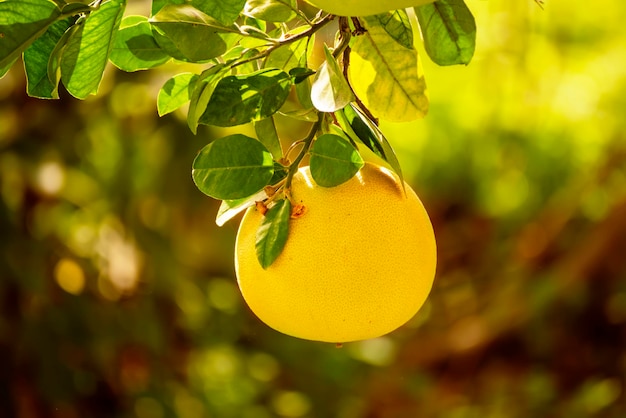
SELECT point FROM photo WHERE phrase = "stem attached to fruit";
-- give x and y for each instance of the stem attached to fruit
(293, 167)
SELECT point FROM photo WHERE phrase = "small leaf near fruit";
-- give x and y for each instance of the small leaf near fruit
(362, 129)
(230, 208)
(334, 160)
(272, 233)
(233, 167)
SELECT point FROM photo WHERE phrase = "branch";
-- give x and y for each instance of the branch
(286, 41)
(359, 30)
(293, 167)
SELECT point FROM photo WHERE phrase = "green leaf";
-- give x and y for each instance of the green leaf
(75, 9)
(300, 74)
(305, 115)
(384, 74)
(290, 55)
(234, 54)
(280, 172)
(249, 55)
(303, 93)
(233, 167)
(135, 47)
(363, 130)
(187, 34)
(266, 132)
(21, 22)
(224, 11)
(186, 13)
(334, 160)
(397, 25)
(202, 93)
(175, 92)
(258, 24)
(36, 59)
(230, 208)
(273, 232)
(328, 127)
(449, 31)
(159, 4)
(54, 61)
(87, 52)
(6, 68)
(132, 20)
(271, 10)
(254, 37)
(240, 99)
(303, 87)
(330, 90)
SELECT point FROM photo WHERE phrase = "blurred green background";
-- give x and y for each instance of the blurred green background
(117, 290)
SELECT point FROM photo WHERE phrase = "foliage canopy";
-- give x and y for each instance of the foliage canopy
(250, 56)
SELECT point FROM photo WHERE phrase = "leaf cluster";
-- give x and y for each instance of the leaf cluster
(253, 58)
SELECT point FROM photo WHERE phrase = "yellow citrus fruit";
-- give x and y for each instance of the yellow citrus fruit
(364, 7)
(358, 263)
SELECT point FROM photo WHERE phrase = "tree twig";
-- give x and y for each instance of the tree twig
(286, 41)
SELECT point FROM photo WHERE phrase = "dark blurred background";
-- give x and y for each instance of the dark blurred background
(117, 289)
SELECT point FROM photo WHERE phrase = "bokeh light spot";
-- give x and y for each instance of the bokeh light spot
(291, 404)
(188, 406)
(598, 395)
(576, 97)
(263, 367)
(120, 259)
(147, 407)
(223, 295)
(50, 178)
(256, 411)
(69, 276)
(377, 351)
(467, 333)
(615, 308)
